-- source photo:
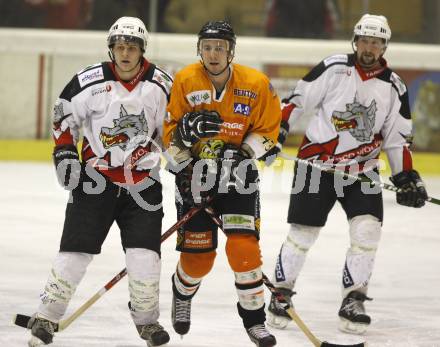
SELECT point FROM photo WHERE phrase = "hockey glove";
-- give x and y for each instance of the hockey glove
(190, 180)
(235, 171)
(183, 184)
(270, 156)
(195, 125)
(67, 165)
(412, 189)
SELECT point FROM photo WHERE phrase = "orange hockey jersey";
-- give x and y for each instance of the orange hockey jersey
(248, 106)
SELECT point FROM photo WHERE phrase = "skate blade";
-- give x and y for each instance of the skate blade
(352, 328)
(149, 344)
(35, 342)
(152, 345)
(277, 322)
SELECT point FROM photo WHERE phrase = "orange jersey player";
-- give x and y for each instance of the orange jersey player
(221, 117)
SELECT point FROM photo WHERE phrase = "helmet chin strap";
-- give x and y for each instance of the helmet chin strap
(111, 56)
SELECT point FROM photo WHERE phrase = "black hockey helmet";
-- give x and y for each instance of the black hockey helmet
(218, 30)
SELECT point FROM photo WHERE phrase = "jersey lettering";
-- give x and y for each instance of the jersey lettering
(242, 109)
(245, 93)
(347, 281)
(90, 76)
(199, 97)
(279, 271)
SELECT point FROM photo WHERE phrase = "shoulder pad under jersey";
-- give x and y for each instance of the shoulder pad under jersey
(88, 76)
(91, 74)
(338, 59)
(398, 83)
(399, 86)
(162, 79)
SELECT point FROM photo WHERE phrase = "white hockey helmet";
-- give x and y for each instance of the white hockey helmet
(372, 25)
(128, 29)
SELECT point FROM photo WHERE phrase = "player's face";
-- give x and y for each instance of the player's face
(369, 50)
(127, 57)
(214, 54)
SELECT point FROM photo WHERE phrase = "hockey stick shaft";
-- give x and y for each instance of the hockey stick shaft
(299, 322)
(280, 297)
(22, 320)
(347, 175)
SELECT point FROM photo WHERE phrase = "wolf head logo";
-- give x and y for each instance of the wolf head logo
(129, 131)
(357, 119)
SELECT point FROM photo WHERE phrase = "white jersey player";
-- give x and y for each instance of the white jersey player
(120, 107)
(359, 107)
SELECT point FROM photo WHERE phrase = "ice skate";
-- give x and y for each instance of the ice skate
(353, 318)
(261, 336)
(277, 317)
(181, 315)
(154, 334)
(42, 331)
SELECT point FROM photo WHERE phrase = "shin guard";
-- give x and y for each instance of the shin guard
(67, 271)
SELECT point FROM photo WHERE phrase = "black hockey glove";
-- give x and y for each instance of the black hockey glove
(67, 165)
(272, 153)
(183, 184)
(237, 169)
(413, 192)
(189, 183)
(195, 125)
(284, 131)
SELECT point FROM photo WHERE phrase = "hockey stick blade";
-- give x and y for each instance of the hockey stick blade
(347, 175)
(22, 320)
(280, 297)
(327, 344)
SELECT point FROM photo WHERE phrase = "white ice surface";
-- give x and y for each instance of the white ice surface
(405, 285)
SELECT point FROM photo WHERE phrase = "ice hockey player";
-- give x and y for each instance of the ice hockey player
(230, 114)
(359, 106)
(120, 107)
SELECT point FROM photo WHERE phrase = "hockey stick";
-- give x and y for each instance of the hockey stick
(347, 175)
(282, 300)
(23, 320)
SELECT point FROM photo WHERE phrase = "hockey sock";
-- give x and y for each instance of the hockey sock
(67, 271)
(143, 268)
(251, 317)
(184, 286)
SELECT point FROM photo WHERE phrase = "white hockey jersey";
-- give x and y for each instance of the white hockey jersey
(354, 114)
(121, 122)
